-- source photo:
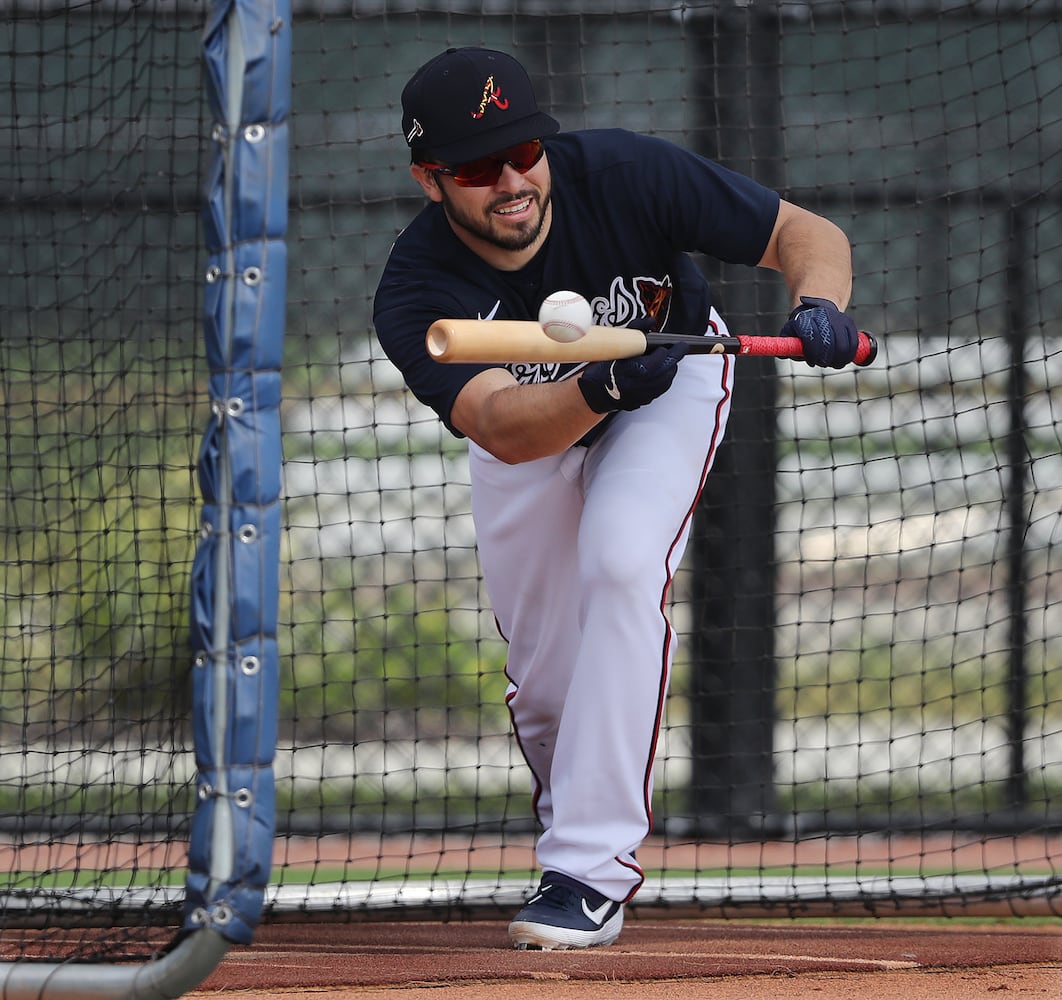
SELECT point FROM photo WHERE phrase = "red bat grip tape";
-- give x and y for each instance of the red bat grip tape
(791, 347)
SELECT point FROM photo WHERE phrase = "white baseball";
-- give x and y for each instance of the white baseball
(565, 316)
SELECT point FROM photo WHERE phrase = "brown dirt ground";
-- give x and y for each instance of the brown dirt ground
(979, 984)
(653, 960)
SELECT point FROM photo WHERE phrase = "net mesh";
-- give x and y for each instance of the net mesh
(99, 165)
(866, 713)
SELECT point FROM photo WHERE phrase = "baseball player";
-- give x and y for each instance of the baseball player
(584, 476)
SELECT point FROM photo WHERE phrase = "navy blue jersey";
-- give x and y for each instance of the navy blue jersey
(626, 209)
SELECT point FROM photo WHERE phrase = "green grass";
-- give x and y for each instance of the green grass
(87, 878)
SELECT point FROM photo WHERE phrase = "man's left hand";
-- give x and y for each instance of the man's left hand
(830, 338)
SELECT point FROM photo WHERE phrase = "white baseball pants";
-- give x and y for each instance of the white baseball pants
(578, 551)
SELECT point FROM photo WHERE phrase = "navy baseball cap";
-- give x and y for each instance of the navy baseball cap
(470, 102)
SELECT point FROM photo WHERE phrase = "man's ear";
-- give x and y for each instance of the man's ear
(427, 180)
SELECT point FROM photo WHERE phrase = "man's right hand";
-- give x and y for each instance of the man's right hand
(631, 382)
(829, 336)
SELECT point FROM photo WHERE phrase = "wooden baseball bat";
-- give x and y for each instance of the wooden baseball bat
(454, 341)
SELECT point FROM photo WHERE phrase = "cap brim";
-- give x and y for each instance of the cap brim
(534, 126)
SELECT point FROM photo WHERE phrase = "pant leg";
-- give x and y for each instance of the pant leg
(642, 479)
(527, 523)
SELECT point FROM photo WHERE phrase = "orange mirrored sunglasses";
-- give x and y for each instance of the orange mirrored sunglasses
(485, 171)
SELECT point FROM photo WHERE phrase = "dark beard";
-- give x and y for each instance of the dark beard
(519, 239)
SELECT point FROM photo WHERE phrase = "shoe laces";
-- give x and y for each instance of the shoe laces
(558, 895)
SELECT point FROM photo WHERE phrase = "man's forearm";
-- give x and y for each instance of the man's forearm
(813, 256)
(519, 423)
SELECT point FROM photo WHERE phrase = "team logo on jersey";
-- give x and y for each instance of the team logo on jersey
(656, 298)
(533, 372)
(491, 95)
(643, 297)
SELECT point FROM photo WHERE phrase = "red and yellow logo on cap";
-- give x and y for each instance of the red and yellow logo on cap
(491, 95)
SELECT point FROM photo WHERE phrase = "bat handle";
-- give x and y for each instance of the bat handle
(793, 347)
(866, 350)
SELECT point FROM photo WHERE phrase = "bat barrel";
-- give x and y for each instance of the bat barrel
(439, 341)
(501, 341)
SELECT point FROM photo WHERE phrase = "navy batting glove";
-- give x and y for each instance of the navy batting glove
(830, 338)
(630, 382)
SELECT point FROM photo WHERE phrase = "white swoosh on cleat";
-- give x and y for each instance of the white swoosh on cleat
(598, 915)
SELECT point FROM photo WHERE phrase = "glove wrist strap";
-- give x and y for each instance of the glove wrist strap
(596, 397)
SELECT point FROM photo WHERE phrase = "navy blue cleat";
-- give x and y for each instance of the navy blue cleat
(564, 913)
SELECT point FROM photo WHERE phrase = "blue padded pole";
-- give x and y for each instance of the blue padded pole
(247, 46)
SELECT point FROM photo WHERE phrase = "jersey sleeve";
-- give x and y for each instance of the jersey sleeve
(410, 297)
(692, 203)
